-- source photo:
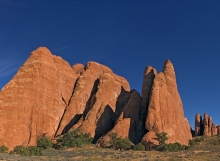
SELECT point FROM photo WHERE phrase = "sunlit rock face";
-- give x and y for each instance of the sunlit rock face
(165, 110)
(49, 97)
(205, 126)
(32, 103)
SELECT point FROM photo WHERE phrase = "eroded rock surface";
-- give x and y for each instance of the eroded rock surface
(32, 103)
(165, 111)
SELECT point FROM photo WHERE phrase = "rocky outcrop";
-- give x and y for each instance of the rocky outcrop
(36, 98)
(149, 75)
(104, 109)
(126, 124)
(206, 127)
(49, 97)
(198, 125)
(165, 110)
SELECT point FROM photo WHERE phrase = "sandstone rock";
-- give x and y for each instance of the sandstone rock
(104, 108)
(126, 125)
(36, 98)
(150, 137)
(218, 129)
(149, 75)
(214, 130)
(210, 126)
(206, 124)
(82, 99)
(165, 110)
(198, 125)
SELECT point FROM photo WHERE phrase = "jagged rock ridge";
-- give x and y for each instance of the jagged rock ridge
(205, 126)
(49, 97)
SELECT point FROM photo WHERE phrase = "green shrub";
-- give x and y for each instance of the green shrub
(161, 138)
(119, 142)
(21, 150)
(34, 150)
(195, 141)
(139, 147)
(74, 138)
(11, 152)
(44, 143)
(3, 149)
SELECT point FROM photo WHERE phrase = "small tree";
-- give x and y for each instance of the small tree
(161, 138)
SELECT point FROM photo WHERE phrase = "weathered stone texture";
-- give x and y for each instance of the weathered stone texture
(32, 103)
(165, 111)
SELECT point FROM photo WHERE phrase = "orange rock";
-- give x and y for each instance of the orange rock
(85, 89)
(150, 137)
(214, 130)
(198, 125)
(32, 103)
(149, 75)
(165, 110)
(103, 108)
(126, 124)
(206, 124)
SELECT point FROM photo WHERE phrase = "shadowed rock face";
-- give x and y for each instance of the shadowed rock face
(198, 125)
(126, 124)
(165, 110)
(49, 97)
(32, 103)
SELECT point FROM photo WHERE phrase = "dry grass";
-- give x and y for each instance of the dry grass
(206, 150)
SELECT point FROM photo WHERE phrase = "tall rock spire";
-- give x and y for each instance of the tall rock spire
(165, 110)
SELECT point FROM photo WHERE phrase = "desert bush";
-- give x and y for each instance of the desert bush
(195, 141)
(75, 138)
(119, 142)
(34, 150)
(161, 138)
(21, 150)
(3, 149)
(44, 143)
(139, 147)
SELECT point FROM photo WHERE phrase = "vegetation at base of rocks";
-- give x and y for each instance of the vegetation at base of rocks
(3, 149)
(162, 138)
(34, 150)
(196, 141)
(23, 151)
(44, 143)
(74, 138)
(139, 147)
(119, 143)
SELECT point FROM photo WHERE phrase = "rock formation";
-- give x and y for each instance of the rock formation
(198, 125)
(205, 127)
(126, 124)
(32, 103)
(49, 97)
(165, 110)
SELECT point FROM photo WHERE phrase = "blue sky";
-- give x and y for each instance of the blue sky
(125, 35)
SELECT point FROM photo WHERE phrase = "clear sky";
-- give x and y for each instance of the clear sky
(126, 35)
